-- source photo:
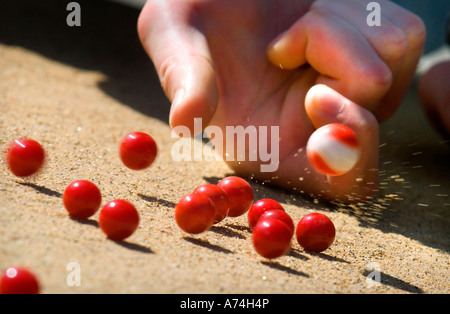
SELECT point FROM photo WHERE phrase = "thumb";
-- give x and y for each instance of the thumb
(324, 105)
(182, 60)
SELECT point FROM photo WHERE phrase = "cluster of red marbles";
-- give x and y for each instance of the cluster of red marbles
(272, 227)
(211, 203)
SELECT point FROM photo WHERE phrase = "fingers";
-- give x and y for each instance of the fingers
(339, 52)
(415, 34)
(181, 57)
(324, 105)
(434, 95)
(372, 66)
(388, 40)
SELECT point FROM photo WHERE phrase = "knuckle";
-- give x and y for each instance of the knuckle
(415, 32)
(395, 44)
(166, 71)
(320, 5)
(148, 18)
(379, 77)
(374, 82)
(143, 22)
(142, 27)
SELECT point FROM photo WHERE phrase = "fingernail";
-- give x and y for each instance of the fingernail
(278, 52)
(277, 41)
(178, 97)
(275, 51)
(326, 101)
(176, 101)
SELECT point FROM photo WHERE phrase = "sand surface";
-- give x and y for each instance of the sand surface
(79, 90)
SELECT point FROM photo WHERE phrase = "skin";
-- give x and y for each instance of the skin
(294, 64)
(434, 92)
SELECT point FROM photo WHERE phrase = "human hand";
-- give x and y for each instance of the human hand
(211, 59)
(371, 65)
(434, 93)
